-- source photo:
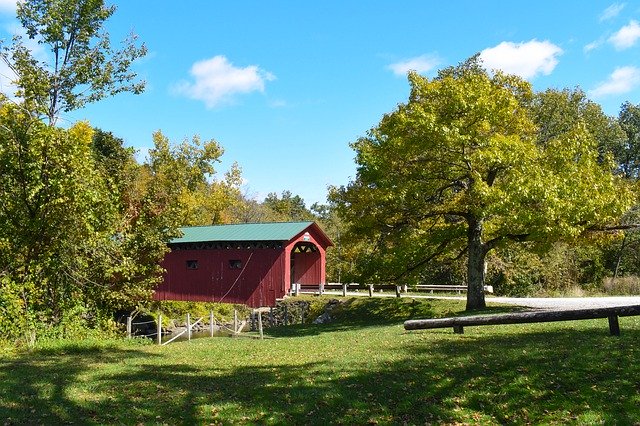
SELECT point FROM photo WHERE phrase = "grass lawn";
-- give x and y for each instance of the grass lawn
(362, 369)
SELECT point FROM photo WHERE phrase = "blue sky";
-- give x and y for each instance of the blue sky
(285, 86)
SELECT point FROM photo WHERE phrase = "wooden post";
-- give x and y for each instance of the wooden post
(344, 290)
(405, 288)
(286, 315)
(321, 288)
(260, 324)
(370, 290)
(211, 323)
(129, 320)
(235, 321)
(159, 330)
(614, 326)
(302, 316)
(271, 317)
(397, 291)
(188, 326)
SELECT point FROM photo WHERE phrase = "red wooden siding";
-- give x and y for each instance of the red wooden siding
(307, 268)
(258, 282)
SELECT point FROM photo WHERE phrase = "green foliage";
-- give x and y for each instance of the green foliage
(81, 67)
(287, 207)
(177, 310)
(182, 179)
(55, 212)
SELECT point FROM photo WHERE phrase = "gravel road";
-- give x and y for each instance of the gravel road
(530, 302)
(567, 302)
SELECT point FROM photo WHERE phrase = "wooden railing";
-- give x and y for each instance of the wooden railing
(372, 288)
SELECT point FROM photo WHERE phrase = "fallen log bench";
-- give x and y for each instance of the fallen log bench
(458, 323)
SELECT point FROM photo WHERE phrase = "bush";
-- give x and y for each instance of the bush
(622, 286)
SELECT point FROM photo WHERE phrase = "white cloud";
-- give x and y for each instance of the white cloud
(626, 36)
(217, 81)
(419, 64)
(622, 80)
(7, 77)
(612, 11)
(7, 6)
(526, 60)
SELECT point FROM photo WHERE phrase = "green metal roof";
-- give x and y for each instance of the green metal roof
(242, 232)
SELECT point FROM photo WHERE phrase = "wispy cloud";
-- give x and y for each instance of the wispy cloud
(278, 103)
(7, 76)
(526, 60)
(626, 36)
(592, 46)
(419, 64)
(612, 11)
(622, 80)
(217, 81)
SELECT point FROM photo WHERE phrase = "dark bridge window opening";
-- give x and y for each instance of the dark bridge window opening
(192, 264)
(305, 248)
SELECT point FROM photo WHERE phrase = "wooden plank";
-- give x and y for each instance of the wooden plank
(524, 317)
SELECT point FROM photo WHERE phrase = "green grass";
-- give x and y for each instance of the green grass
(362, 369)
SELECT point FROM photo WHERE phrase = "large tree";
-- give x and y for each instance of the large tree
(79, 66)
(458, 170)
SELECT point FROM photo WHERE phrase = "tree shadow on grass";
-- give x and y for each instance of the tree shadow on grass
(515, 377)
(34, 389)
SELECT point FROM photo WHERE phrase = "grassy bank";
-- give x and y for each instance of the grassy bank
(362, 369)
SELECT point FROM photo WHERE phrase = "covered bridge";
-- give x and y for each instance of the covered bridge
(253, 264)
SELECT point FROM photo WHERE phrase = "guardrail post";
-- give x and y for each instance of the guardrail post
(188, 326)
(405, 288)
(296, 289)
(260, 324)
(370, 290)
(211, 323)
(321, 289)
(235, 321)
(344, 290)
(286, 315)
(159, 330)
(129, 320)
(397, 291)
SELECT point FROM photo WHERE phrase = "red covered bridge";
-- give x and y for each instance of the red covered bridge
(253, 264)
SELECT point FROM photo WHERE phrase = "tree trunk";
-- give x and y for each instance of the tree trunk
(620, 253)
(475, 265)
